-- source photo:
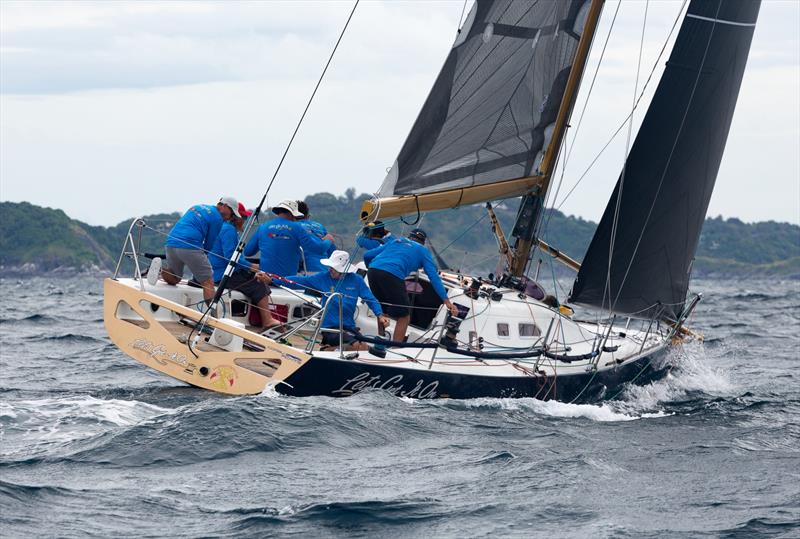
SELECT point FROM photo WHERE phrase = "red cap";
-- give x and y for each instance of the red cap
(244, 212)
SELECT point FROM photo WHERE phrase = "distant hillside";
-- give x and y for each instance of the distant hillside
(36, 240)
(46, 239)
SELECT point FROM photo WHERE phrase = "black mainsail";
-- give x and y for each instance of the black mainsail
(671, 169)
(492, 110)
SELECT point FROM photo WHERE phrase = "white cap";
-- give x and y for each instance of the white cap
(232, 203)
(340, 261)
(290, 206)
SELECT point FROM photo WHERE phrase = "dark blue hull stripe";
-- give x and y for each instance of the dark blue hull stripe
(339, 378)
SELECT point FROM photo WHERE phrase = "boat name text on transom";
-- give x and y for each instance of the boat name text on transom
(159, 352)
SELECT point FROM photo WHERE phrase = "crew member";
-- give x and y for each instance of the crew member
(390, 264)
(226, 243)
(312, 259)
(373, 235)
(340, 278)
(279, 241)
(191, 238)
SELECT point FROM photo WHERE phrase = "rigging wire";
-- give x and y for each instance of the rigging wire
(461, 17)
(615, 221)
(470, 227)
(254, 217)
(594, 78)
(310, 99)
(550, 211)
(574, 136)
(625, 120)
(671, 153)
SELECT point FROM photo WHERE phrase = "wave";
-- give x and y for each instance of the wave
(761, 527)
(200, 430)
(32, 319)
(40, 428)
(603, 412)
(73, 409)
(717, 325)
(755, 296)
(497, 457)
(688, 380)
(66, 338)
(28, 493)
(351, 516)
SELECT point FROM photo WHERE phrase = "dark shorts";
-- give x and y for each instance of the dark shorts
(331, 338)
(390, 291)
(246, 283)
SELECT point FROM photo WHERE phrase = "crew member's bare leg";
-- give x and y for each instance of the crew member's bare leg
(267, 319)
(208, 290)
(169, 277)
(400, 327)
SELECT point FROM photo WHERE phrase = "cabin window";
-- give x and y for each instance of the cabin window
(304, 311)
(502, 329)
(529, 330)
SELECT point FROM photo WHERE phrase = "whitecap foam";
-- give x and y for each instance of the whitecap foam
(26, 424)
(605, 412)
(689, 373)
(602, 413)
(270, 392)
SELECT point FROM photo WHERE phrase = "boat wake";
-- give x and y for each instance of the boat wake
(602, 412)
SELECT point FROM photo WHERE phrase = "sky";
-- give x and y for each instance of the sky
(110, 110)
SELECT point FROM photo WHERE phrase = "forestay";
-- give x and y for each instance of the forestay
(670, 172)
(493, 107)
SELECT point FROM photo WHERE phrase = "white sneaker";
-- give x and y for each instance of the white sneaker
(154, 271)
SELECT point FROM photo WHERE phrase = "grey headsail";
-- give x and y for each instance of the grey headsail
(493, 106)
(671, 169)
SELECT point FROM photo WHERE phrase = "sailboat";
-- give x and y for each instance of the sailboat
(492, 129)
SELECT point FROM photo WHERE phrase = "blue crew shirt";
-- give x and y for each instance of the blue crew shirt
(223, 250)
(351, 286)
(313, 257)
(197, 229)
(372, 243)
(278, 241)
(402, 256)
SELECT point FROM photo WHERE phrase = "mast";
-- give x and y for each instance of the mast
(526, 227)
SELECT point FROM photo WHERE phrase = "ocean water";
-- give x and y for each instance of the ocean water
(94, 444)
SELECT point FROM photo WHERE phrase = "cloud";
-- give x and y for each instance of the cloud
(161, 105)
(149, 45)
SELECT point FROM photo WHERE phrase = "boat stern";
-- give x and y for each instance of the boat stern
(161, 334)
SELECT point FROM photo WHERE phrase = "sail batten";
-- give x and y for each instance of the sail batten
(671, 170)
(491, 113)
